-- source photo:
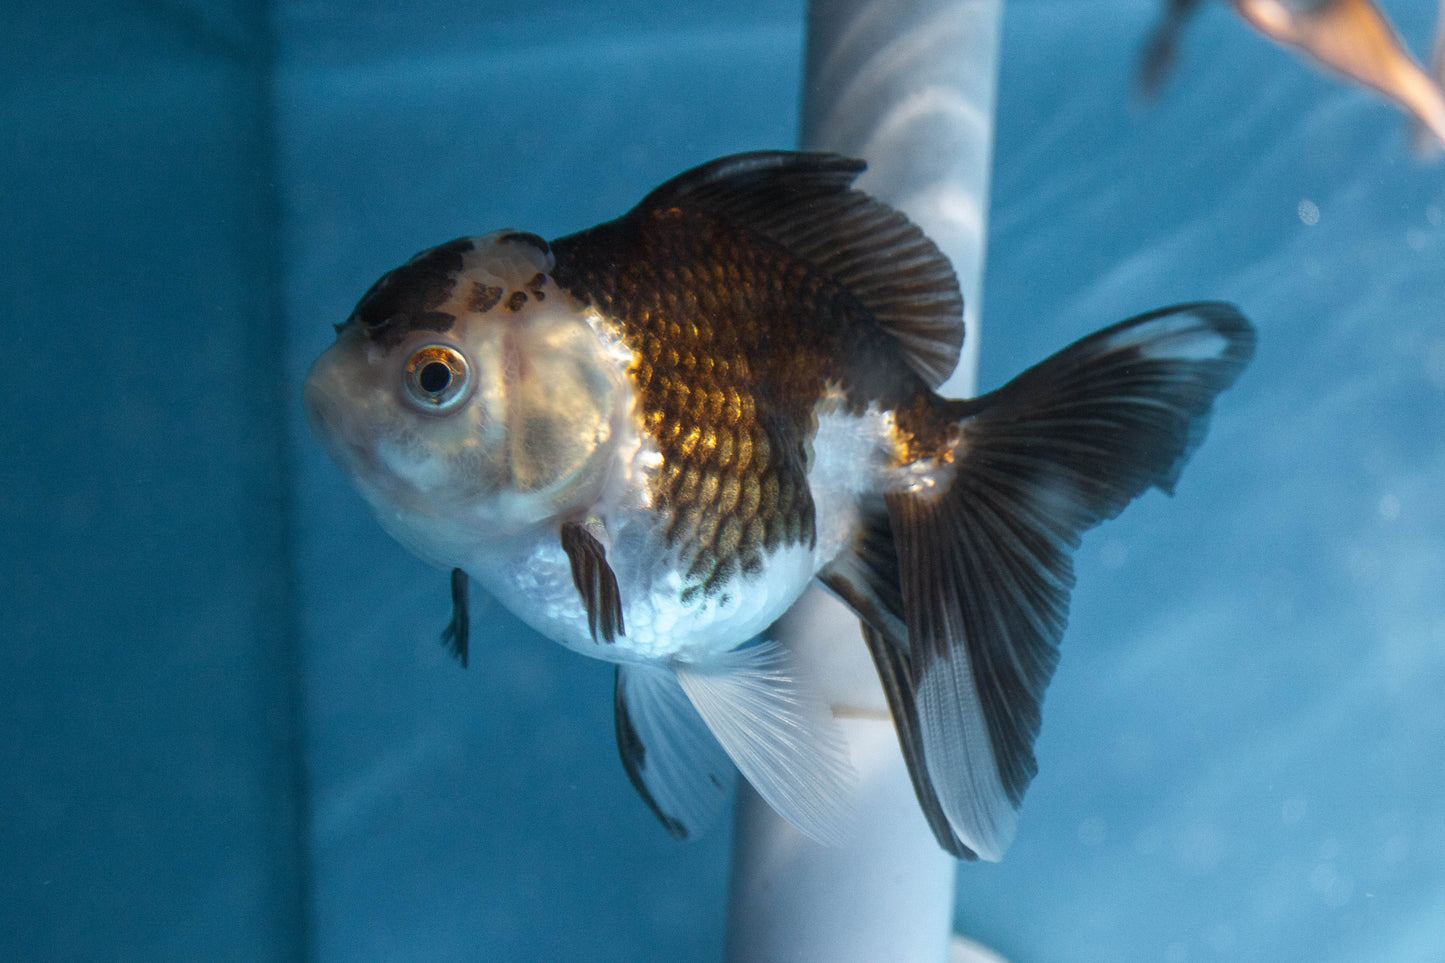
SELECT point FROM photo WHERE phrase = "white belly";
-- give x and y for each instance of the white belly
(535, 582)
(532, 575)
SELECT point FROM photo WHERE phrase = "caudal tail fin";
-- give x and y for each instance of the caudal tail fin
(964, 595)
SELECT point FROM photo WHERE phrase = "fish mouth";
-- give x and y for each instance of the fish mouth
(327, 417)
(341, 423)
(328, 423)
(321, 408)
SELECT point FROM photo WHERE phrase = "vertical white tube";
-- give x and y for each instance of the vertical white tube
(909, 87)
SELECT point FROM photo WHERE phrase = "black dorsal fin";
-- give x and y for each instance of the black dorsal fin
(806, 203)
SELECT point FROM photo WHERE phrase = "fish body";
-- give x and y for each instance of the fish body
(647, 439)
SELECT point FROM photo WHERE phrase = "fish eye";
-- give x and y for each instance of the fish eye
(437, 378)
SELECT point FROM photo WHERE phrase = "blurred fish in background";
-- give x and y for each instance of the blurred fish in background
(1422, 140)
(1351, 38)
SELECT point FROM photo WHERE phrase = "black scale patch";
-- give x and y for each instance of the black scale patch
(484, 297)
(406, 299)
(734, 342)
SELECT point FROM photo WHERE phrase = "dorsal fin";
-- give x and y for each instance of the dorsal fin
(806, 203)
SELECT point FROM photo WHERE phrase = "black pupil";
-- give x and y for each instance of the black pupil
(434, 377)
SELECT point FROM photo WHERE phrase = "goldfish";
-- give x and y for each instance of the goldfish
(1352, 39)
(647, 439)
(1426, 144)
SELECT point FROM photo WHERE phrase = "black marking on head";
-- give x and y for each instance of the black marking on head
(484, 297)
(405, 300)
(525, 237)
(515, 302)
(534, 286)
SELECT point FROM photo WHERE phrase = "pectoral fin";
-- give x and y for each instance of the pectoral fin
(595, 581)
(457, 635)
(673, 761)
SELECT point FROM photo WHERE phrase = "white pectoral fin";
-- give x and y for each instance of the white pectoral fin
(675, 764)
(782, 737)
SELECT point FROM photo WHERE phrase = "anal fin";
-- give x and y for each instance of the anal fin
(671, 758)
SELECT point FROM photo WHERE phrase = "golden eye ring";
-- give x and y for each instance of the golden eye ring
(437, 379)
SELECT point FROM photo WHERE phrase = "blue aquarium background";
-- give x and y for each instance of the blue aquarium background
(227, 730)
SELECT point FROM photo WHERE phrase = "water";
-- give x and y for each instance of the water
(229, 732)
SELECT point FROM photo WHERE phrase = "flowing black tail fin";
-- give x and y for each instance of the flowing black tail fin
(976, 589)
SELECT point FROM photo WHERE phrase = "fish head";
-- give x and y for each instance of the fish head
(468, 397)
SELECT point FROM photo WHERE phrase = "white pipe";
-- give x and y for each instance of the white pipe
(909, 87)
